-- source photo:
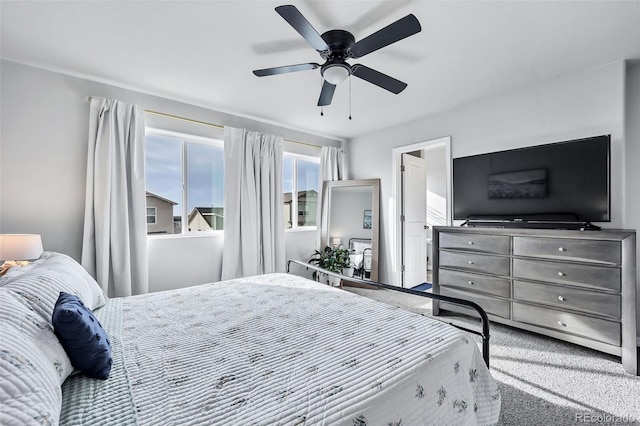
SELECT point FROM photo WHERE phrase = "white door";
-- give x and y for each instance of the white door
(414, 213)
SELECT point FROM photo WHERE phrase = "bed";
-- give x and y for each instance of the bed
(271, 349)
(360, 256)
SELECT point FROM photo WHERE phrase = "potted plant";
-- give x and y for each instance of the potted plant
(333, 259)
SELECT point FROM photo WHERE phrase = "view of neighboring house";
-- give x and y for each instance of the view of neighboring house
(159, 214)
(206, 219)
(160, 218)
(307, 208)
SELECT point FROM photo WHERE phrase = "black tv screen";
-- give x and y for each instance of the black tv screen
(563, 181)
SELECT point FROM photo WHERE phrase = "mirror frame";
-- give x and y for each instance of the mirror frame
(375, 220)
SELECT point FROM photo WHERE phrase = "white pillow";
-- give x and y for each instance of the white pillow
(33, 365)
(359, 246)
(40, 283)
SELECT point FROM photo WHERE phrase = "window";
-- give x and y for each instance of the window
(185, 183)
(301, 183)
(151, 215)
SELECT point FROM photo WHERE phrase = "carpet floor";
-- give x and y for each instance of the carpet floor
(544, 381)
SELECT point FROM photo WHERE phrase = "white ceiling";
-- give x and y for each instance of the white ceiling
(203, 52)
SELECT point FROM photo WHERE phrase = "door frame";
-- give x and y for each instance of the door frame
(396, 194)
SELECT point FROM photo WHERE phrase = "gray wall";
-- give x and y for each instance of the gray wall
(436, 183)
(592, 102)
(632, 166)
(43, 156)
(436, 194)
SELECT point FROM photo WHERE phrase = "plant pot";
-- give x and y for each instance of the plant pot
(334, 281)
(348, 272)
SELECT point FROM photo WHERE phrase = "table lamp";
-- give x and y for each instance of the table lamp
(336, 242)
(19, 249)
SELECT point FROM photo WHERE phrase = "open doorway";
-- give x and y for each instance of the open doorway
(422, 194)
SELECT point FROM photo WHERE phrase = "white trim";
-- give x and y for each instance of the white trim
(396, 190)
(294, 200)
(303, 157)
(187, 235)
(294, 194)
(184, 212)
(302, 228)
(184, 139)
(202, 140)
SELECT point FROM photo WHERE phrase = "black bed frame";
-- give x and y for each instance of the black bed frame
(362, 271)
(483, 315)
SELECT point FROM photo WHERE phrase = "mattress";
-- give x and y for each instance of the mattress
(279, 349)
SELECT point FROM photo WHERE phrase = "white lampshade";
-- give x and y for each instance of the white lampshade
(20, 246)
(336, 74)
(336, 242)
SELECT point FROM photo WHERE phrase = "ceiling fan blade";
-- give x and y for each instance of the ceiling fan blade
(326, 95)
(392, 33)
(293, 16)
(285, 69)
(378, 78)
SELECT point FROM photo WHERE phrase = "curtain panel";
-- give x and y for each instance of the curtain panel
(254, 204)
(332, 167)
(114, 246)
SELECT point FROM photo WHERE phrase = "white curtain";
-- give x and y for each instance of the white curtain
(253, 205)
(333, 164)
(332, 167)
(114, 245)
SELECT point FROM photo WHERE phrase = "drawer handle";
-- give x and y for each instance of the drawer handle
(470, 262)
(561, 298)
(561, 323)
(562, 249)
(561, 274)
(470, 282)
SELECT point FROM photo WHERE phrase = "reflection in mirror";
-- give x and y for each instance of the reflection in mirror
(352, 211)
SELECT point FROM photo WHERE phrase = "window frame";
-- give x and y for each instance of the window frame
(185, 139)
(154, 215)
(294, 196)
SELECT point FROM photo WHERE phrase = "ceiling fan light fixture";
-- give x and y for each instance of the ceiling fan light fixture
(336, 73)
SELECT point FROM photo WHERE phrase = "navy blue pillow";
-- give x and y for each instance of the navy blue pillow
(82, 336)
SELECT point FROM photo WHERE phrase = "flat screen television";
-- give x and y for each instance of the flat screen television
(563, 185)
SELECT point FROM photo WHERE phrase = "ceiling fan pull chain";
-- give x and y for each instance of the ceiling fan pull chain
(349, 99)
(321, 84)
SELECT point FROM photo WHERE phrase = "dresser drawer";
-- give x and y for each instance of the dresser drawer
(567, 273)
(570, 298)
(581, 325)
(498, 307)
(560, 248)
(500, 244)
(497, 265)
(474, 282)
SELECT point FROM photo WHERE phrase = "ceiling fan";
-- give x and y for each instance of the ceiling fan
(336, 46)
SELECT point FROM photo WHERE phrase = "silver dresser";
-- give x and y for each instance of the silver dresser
(578, 286)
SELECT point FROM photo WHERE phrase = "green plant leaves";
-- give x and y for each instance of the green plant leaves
(331, 259)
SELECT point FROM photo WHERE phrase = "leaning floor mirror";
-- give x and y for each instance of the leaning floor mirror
(351, 214)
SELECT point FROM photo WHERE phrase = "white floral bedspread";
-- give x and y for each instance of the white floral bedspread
(282, 350)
